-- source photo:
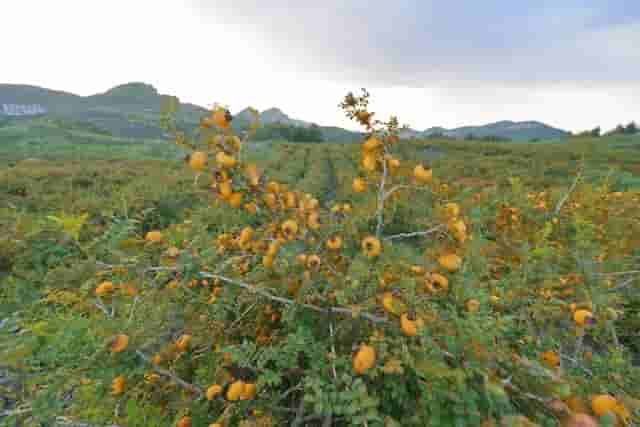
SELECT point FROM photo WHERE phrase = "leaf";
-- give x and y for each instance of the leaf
(71, 225)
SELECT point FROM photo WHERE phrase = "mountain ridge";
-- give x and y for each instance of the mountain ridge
(133, 110)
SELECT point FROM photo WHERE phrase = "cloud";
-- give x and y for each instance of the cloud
(425, 42)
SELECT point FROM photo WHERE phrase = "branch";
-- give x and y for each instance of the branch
(415, 233)
(564, 199)
(266, 294)
(182, 383)
(381, 199)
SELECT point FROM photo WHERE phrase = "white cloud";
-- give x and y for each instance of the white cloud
(251, 53)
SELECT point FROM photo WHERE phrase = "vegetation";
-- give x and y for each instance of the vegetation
(390, 282)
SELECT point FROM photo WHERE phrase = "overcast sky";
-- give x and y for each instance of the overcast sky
(571, 63)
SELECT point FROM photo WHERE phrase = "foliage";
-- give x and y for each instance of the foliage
(463, 275)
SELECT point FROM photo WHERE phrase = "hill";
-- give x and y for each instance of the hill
(517, 131)
(132, 110)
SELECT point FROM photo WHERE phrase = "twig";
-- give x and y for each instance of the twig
(381, 198)
(415, 233)
(182, 383)
(564, 199)
(371, 317)
(623, 284)
(620, 273)
(133, 306)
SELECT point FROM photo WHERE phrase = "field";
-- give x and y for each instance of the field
(553, 230)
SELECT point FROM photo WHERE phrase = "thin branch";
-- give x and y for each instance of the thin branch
(381, 198)
(182, 383)
(564, 199)
(266, 294)
(623, 285)
(416, 233)
(620, 273)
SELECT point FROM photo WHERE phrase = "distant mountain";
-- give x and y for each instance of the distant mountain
(517, 131)
(133, 110)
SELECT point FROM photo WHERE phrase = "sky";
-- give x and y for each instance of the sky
(574, 64)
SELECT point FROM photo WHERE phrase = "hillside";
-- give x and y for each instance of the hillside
(132, 110)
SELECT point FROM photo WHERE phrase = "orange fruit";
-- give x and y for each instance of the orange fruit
(359, 185)
(214, 391)
(582, 317)
(235, 391)
(422, 175)
(222, 118)
(450, 262)
(153, 236)
(371, 246)
(104, 288)
(183, 342)
(118, 385)
(603, 403)
(198, 160)
(119, 343)
(364, 359)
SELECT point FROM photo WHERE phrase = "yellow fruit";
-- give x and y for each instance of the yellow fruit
(253, 175)
(267, 261)
(452, 210)
(184, 422)
(582, 317)
(235, 200)
(418, 270)
(410, 327)
(271, 200)
(248, 391)
(290, 229)
(422, 175)
(226, 161)
(118, 385)
(182, 343)
(119, 343)
(388, 302)
(313, 262)
(450, 262)
(274, 248)
(198, 160)
(273, 187)
(252, 208)
(245, 235)
(436, 283)
(603, 403)
(369, 162)
(235, 391)
(104, 288)
(458, 228)
(153, 236)
(215, 425)
(290, 201)
(550, 358)
(359, 185)
(364, 359)
(371, 144)
(313, 221)
(214, 391)
(371, 246)
(226, 190)
(472, 306)
(222, 118)
(334, 243)
(302, 259)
